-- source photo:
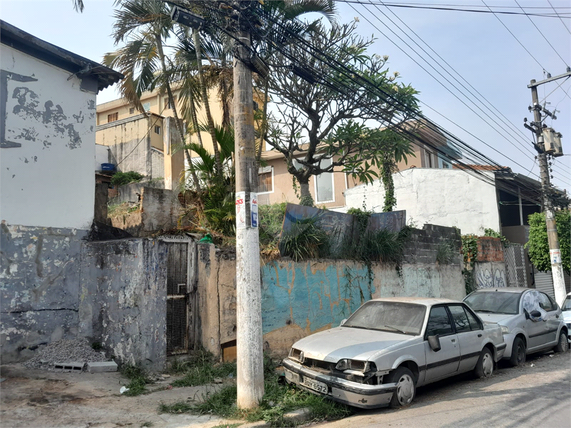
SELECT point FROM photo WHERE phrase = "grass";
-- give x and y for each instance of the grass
(201, 370)
(278, 400)
(138, 380)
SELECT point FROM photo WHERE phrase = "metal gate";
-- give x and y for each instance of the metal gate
(515, 265)
(181, 295)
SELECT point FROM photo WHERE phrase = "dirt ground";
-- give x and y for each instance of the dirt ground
(38, 398)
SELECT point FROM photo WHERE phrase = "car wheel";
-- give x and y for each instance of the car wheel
(562, 344)
(485, 366)
(518, 352)
(406, 388)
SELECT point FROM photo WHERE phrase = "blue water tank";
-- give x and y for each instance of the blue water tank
(108, 167)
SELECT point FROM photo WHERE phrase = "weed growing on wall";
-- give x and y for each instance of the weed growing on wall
(445, 254)
(470, 255)
(122, 178)
(305, 240)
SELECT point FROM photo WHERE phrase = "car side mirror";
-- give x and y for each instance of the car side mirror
(434, 343)
(342, 322)
(535, 314)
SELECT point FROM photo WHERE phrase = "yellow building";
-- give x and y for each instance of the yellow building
(148, 142)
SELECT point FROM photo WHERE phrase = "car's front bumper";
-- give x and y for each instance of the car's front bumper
(341, 390)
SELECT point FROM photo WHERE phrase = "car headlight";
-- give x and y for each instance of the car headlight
(505, 329)
(355, 366)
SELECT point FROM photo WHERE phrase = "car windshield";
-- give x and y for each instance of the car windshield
(406, 318)
(496, 302)
(566, 306)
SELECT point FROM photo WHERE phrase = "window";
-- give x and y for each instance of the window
(461, 321)
(265, 179)
(147, 106)
(132, 110)
(324, 184)
(545, 302)
(438, 322)
(112, 117)
(158, 130)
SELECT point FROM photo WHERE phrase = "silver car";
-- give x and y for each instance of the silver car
(389, 347)
(531, 321)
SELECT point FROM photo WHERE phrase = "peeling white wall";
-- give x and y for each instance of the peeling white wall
(47, 155)
(444, 197)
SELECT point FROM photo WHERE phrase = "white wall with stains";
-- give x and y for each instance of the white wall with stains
(47, 145)
(444, 197)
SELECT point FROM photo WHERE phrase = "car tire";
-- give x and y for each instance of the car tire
(518, 352)
(562, 345)
(485, 365)
(406, 388)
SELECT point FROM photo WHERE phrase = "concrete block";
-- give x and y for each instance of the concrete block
(100, 367)
(298, 416)
(73, 366)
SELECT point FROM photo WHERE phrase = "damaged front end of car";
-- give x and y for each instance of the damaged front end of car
(349, 381)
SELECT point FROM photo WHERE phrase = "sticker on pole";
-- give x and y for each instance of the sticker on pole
(555, 256)
(240, 210)
(254, 209)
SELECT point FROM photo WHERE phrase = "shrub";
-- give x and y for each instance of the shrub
(122, 178)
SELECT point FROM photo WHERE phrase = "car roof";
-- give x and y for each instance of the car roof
(504, 290)
(426, 301)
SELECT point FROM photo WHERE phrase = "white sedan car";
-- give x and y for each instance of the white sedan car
(389, 347)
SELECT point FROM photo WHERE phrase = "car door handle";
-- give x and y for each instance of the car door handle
(480, 335)
(453, 340)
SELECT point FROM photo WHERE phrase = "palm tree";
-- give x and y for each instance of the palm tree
(145, 24)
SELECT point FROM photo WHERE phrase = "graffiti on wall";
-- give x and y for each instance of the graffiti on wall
(490, 277)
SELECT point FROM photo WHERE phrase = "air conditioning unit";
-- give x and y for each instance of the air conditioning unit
(552, 142)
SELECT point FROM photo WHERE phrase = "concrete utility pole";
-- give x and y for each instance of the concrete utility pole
(249, 340)
(554, 250)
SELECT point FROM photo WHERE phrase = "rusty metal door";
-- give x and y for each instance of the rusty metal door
(181, 296)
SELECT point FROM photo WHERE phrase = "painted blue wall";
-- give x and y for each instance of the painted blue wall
(294, 293)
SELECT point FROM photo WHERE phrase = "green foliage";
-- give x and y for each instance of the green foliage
(219, 207)
(445, 254)
(202, 370)
(305, 240)
(493, 234)
(470, 255)
(138, 380)
(271, 221)
(329, 124)
(538, 245)
(122, 178)
(278, 399)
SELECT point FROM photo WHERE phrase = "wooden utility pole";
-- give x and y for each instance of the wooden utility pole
(554, 250)
(249, 340)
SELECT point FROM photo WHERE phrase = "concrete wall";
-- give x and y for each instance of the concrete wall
(54, 285)
(446, 197)
(301, 298)
(123, 299)
(49, 139)
(159, 210)
(39, 287)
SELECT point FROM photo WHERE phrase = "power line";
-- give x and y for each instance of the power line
(513, 35)
(542, 35)
(451, 8)
(505, 122)
(559, 16)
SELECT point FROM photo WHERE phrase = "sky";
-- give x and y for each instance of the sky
(496, 62)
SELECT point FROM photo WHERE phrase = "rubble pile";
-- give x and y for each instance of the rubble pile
(63, 351)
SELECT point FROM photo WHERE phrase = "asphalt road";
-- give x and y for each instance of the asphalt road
(536, 394)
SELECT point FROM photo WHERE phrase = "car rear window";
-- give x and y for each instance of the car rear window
(397, 317)
(497, 302)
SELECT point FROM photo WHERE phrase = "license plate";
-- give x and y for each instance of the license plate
(315, 385)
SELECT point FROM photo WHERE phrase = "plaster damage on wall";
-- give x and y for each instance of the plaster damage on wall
(301, 298)
(55, 285)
